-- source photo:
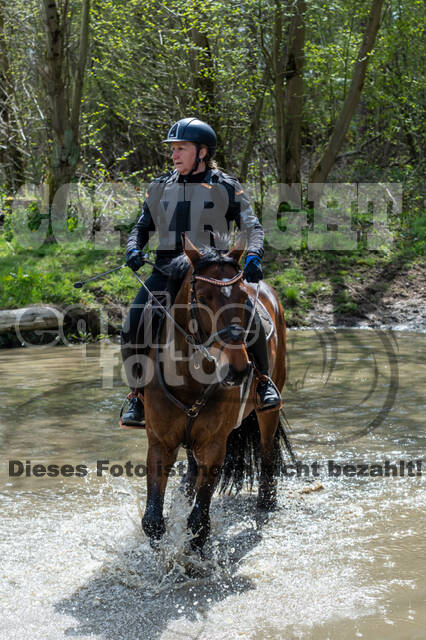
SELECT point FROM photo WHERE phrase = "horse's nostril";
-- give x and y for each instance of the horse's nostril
(235, 377)
(235, 331)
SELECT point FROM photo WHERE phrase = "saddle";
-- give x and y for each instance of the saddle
(265, 318)
(150, 321)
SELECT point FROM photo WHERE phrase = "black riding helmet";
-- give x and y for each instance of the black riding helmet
(196, 131)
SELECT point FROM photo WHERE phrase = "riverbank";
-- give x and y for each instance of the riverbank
(317, 289)
(363, 290)
(386, 294)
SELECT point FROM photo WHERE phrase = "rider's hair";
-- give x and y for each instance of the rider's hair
(210, 162)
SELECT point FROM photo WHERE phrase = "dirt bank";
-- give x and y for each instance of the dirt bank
(392, 296)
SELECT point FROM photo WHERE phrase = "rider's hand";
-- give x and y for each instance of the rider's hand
(252, 269)
(135, 259)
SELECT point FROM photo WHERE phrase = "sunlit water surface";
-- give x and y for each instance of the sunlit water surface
(344, 560)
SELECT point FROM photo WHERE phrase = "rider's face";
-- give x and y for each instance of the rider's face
(183, 156)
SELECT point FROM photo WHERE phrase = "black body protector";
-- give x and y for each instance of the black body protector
(195, 204)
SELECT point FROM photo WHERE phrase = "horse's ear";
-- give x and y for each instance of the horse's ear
(191, 250)
(238, 249)
(212, 239)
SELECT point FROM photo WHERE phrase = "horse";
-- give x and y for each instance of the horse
(202, 415)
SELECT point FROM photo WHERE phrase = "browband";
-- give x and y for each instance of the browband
(219, 283)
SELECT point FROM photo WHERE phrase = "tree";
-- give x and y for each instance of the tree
(64, 89)
(10, 152)
(294, 94)
(326, 162)
(282, 46)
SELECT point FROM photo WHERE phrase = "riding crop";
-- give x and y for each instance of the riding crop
(80, 283)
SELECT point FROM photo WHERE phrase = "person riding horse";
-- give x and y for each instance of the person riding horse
(222, 202)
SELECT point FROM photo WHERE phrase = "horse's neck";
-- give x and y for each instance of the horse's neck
(181, 314)
(178, 346)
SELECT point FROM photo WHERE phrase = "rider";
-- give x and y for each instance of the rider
(193, 144)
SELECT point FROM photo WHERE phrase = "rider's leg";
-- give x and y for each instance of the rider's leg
(268, 395)
(134, 347)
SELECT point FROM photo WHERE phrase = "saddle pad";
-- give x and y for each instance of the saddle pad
(265, 317)
(150, 319)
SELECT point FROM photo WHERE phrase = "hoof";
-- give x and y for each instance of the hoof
(192, 548)
(267, 499)
(154, 529)
(187, 488)
(154, 544)
(264, 513)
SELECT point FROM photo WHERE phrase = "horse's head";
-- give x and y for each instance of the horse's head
(218, 305)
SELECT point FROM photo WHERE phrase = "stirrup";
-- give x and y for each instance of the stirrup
(261, 377)
(132, 394)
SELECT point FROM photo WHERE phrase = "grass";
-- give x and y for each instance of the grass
(345, 303)
(301, 279)
(46, 275)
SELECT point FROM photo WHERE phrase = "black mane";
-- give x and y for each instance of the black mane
(211, 255)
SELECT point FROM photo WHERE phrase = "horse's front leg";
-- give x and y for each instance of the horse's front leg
(159, 462)
(190, 478)
(267, 496)
(210, 459)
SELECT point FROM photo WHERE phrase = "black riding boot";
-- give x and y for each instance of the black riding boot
(267, 394)
(135, 414)
(140, 328)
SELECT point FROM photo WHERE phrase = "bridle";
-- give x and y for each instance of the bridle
(228, 333)
(204, 342)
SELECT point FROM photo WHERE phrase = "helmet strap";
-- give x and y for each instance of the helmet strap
(197, 160)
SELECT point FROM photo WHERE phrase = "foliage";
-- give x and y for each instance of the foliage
(151, 63)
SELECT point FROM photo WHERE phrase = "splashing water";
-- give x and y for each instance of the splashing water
(345, 560)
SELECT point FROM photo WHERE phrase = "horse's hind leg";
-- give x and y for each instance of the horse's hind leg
(267, 496)
(159, 461)
(190, 477)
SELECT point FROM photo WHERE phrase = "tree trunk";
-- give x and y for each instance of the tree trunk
(351, 102)
(254, 126)
(30, 319)
(65, 109)
(203, 73)
(278, 68)
(294, 94)
(10, 154)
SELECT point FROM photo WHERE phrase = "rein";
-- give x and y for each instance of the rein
(189, 339)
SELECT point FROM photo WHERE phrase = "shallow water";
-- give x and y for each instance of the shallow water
(344, 557)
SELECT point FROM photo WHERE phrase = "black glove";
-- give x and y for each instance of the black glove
(252, 269)
(135, 259)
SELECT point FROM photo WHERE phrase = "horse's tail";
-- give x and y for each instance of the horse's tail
(243, 455)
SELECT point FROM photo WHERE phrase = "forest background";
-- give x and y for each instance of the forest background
(299, 92)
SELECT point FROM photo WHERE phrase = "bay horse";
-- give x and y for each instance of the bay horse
(202, 415)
